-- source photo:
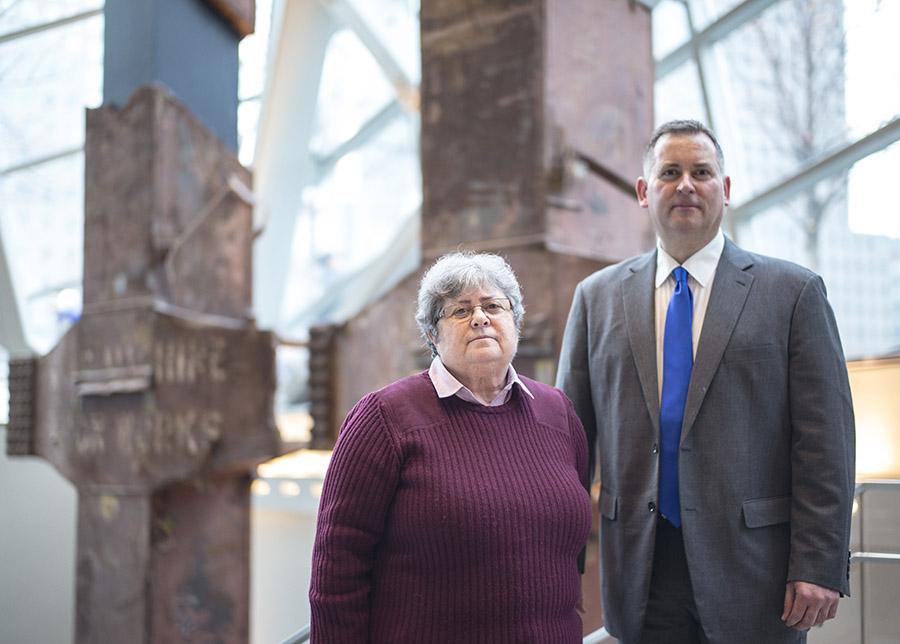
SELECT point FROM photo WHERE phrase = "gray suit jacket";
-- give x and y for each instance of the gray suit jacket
(766, 466)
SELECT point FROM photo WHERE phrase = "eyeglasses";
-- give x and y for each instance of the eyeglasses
(491, 308)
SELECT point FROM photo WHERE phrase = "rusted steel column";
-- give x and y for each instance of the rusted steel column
(322, 384)
(598, 114)
(482, 122)
(522, 100)
(158, 403)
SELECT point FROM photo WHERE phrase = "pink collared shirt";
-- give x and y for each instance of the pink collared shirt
(446, 385)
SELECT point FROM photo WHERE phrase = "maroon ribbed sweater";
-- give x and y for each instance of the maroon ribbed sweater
(446, 521)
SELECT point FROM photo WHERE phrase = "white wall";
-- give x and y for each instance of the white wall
(281, 545)
(37, 551)
(37, 556)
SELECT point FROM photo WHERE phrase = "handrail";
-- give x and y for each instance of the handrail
(893, 557)
(299, 637)
(862, 556)
(875, 484)
(600, 636)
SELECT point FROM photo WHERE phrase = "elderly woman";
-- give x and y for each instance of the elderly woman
(454, 508)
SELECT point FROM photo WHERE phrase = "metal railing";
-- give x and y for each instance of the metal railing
(862, 556)
(299, 637)
(600, 636)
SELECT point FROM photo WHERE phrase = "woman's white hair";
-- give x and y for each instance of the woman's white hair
(457, 272)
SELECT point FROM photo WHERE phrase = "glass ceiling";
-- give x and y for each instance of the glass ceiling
(50, 70)
(787, 84)
(805, 98)
(804, 94)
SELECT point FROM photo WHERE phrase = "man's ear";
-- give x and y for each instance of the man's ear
(640, 189)
(726, 186)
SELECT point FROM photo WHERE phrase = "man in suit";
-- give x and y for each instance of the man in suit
(713, 389)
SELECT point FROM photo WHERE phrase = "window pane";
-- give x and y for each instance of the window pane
(41, 219)
(677, 95)
(873, 64)
(351, 217)
(396, 24)
(777, 87)
(705, 12)
(248, 124)
(670, 27)
(352, 90)
(870, 212)
(815, 229)
(253, 52)
(22, 14)
(46, 81)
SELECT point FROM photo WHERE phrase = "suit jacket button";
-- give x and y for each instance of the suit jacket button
(651, 506)
(654, 449)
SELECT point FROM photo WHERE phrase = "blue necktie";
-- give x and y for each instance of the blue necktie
(678, 360)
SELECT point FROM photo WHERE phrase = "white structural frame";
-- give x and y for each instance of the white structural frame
(801, 179)
(12, 328)
(300, 35)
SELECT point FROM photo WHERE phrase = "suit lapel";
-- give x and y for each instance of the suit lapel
(637, 293)
(729, 293)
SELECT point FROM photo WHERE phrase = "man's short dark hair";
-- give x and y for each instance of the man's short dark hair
(683, 127)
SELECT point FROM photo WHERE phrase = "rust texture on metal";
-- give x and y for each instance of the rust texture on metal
(240, 14)
(322, 370)
(164, 218)
(481, 122)
(158, 403)
(20, 426)
(598, 114)
(373, 349)
(198, 550)
(113, 557)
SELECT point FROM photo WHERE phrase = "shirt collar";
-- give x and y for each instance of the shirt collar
(446, 384)
(701, 265)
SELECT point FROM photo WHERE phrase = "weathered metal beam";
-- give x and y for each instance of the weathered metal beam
(158, 403)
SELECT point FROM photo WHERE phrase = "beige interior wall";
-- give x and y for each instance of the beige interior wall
(876, 402)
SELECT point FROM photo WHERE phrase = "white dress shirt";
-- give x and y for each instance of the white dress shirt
(446, 385)
(701, 268)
